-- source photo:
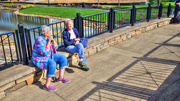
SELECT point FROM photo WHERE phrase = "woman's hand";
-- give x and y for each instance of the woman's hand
(77, 39)
(53, 42)
(75, 43)
(49, 42)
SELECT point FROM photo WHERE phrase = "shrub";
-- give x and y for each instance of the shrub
(27, 6)
(9, 5)
(23, 7)
(6, 5)
(32, 6)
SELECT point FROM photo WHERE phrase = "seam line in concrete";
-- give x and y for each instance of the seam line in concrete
(147, 72)
(59, 96)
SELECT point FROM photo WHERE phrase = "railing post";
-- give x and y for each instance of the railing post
(133, 15)
(148, 12)
(160, 11)
(23, 45)
(78, 24)
(111, 20)
(28, 43)
(19, 46)
(15, 42)
(169, 10)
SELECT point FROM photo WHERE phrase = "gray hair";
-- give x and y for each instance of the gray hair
(66, 21)
(45, 29)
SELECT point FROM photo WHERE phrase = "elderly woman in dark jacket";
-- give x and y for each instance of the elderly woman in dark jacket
(177, 9)
(72, 43)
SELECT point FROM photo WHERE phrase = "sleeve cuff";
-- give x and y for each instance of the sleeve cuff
(74, 40)
(56, 47)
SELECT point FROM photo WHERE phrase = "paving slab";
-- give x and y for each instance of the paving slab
(133, 70)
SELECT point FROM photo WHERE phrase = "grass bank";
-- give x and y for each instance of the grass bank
(60, 12)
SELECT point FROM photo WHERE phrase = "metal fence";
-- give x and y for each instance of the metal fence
(95, 24)
(17, 46)
(56, 30)
(122, 17)
(8, 49)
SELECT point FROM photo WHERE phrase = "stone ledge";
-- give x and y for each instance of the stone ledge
(105, 40)
(14, 73)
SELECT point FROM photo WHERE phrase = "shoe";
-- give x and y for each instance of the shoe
(81, 64)
(64, 80)
(50, 88)
(83, 67)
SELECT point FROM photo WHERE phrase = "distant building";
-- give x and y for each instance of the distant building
(78, 1)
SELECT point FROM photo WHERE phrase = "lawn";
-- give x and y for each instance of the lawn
(165, 4)
(119, 16)
(71, 12)
(60, 12)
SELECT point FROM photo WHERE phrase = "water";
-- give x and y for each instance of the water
(9, 21)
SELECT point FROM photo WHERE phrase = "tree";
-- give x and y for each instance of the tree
(48, 2)
(151, 1)
(118, 3)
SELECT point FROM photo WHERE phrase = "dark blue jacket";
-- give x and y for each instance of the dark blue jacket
(177, 1)
(66, 37)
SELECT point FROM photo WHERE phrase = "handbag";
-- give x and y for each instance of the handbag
(84, 41)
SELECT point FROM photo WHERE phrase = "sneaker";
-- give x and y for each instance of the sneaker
(83, 67)
(50, 88)
(81, 64)
(64, 80)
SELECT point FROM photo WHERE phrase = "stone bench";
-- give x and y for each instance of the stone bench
(19, 76)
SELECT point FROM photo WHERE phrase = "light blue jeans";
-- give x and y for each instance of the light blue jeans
(57, 58)
(79, 48)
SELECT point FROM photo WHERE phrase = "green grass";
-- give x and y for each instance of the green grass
(110, 5)
(60, 12)
(119, 16)
(165, 4)
(71, 12)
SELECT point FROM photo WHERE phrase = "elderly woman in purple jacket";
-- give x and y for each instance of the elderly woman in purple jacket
(44, 56)
(72, 43)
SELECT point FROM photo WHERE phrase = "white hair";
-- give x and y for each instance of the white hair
(66, 21)
(45, 29)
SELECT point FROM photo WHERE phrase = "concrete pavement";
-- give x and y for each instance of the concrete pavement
(132, 70)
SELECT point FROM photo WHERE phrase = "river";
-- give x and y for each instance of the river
(9, 21)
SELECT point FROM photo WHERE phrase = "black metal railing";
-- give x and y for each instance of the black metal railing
(17, 46)
(122, 17)
(95, 24)
(56, 30)
(141, 13)
(8, 49)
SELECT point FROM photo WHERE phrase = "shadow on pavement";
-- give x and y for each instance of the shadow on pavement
(140, 79)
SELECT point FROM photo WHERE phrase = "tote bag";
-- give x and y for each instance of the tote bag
(84, 41)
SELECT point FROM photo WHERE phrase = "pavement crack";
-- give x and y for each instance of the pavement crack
(171, 52)
(149, 73)
(59, 96)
